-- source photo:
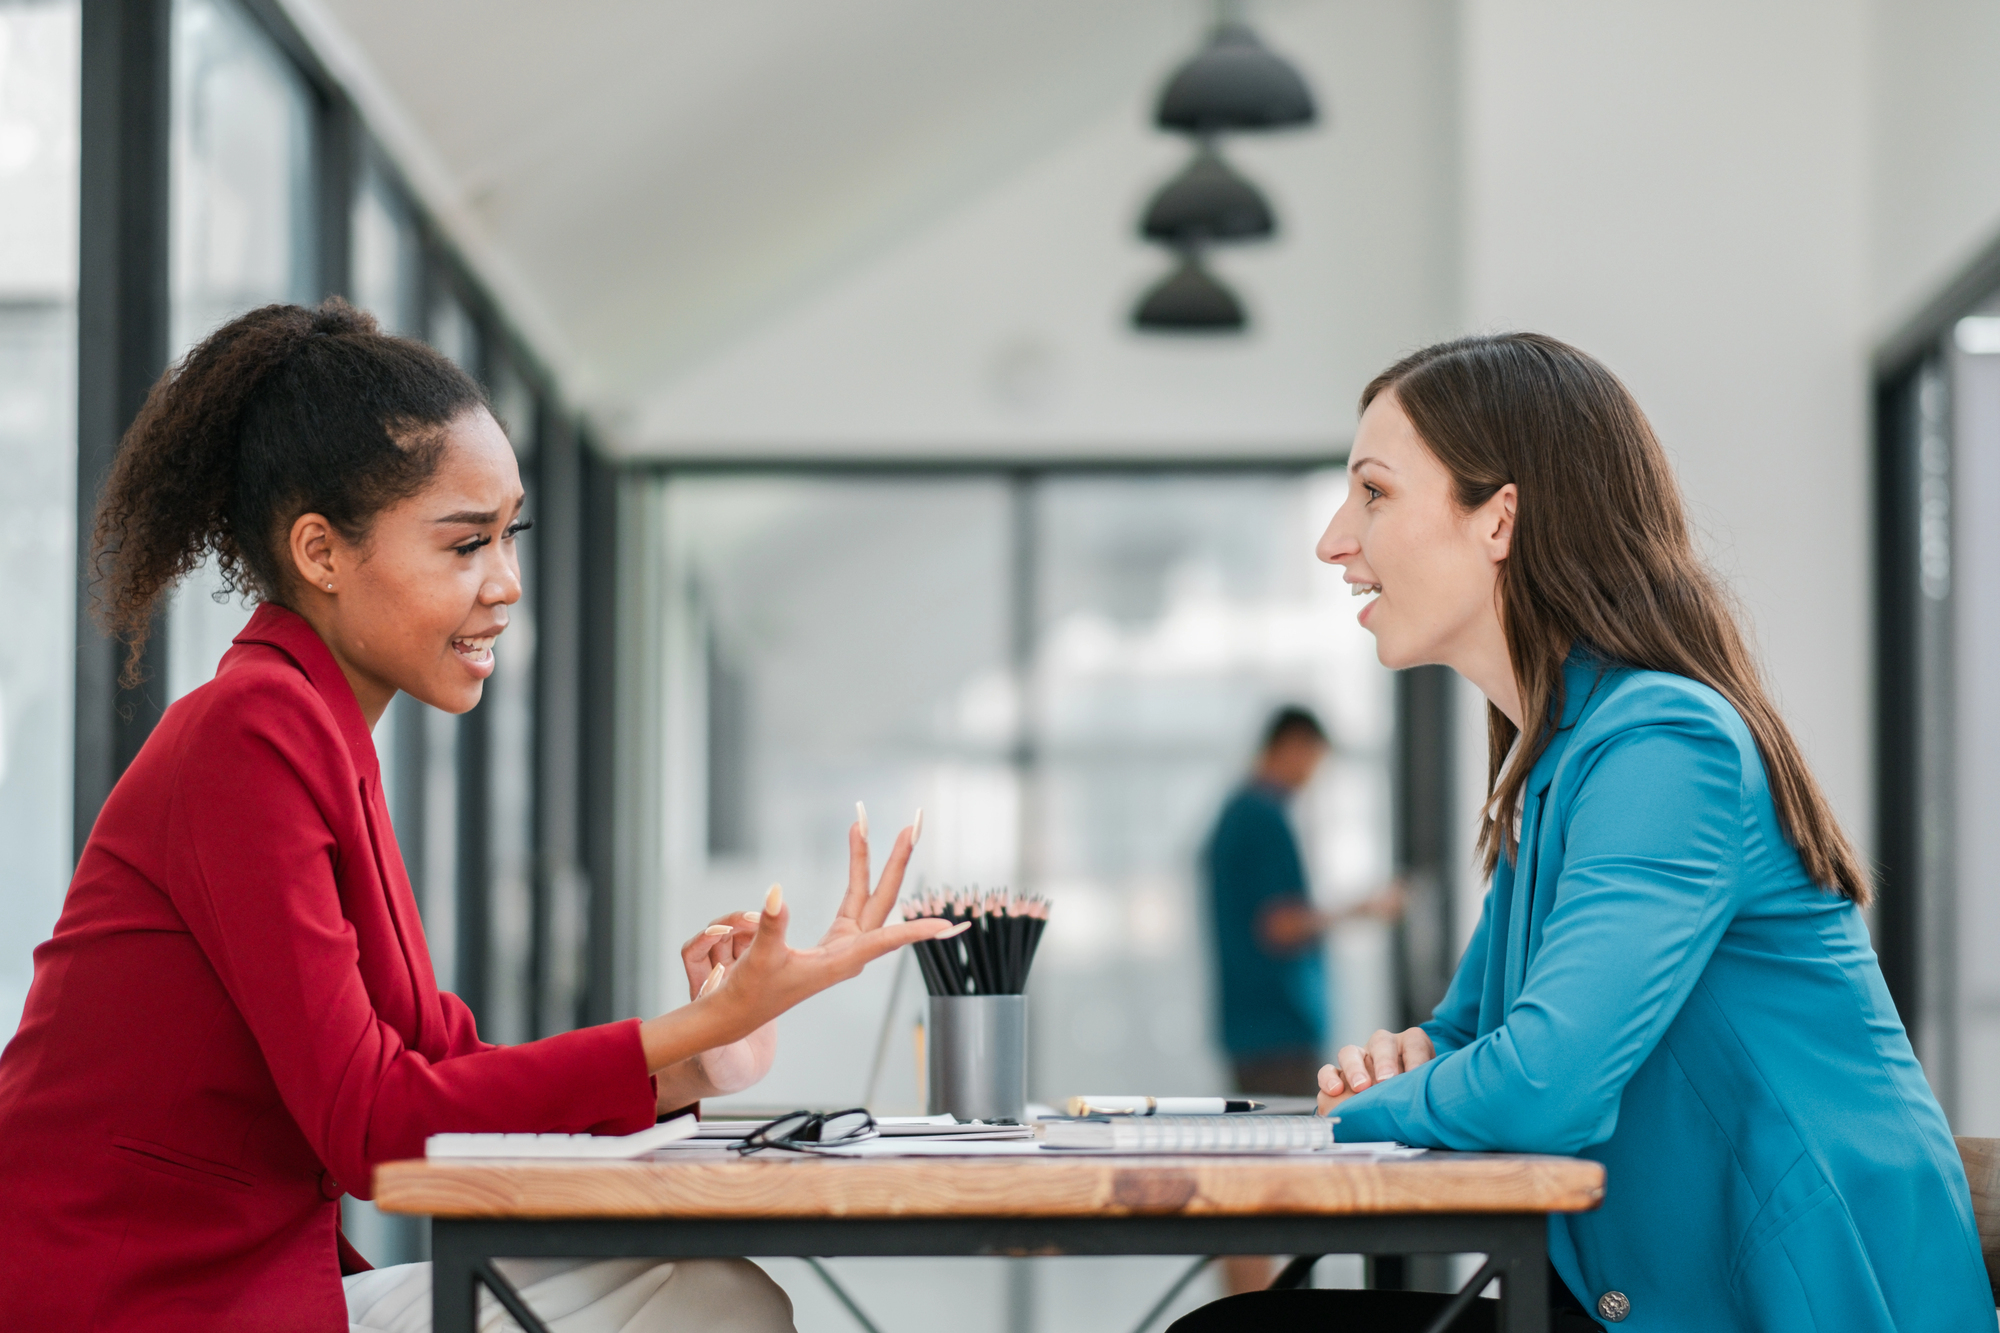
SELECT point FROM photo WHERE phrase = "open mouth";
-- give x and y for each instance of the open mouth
(476, 651)
(1364, 589)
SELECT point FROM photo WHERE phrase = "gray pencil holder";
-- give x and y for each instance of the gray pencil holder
(977, 1054)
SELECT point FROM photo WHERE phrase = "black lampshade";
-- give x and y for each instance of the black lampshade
(1207, 202)
(1189, 300)
(1235, 83)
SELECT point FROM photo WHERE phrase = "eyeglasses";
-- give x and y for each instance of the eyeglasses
(803, 1131)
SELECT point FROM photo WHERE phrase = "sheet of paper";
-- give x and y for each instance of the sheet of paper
(1372, 1152)
(907, 1147)
(889, 1126)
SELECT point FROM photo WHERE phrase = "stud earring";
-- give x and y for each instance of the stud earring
(329, 587)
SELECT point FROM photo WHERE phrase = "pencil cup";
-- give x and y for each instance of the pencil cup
(978, 1056)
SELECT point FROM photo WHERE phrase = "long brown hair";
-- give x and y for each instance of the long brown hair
(1601, 557)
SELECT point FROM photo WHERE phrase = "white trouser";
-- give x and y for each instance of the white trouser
(588, 1296)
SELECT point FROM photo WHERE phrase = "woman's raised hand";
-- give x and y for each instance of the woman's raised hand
(753, 975)
(1386, 1055)
(862, 911)
(720, 1070)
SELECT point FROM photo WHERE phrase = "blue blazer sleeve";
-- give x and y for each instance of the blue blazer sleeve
(1650, 847)
(1455, 1022)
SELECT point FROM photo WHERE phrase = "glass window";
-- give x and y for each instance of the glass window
(509, 705)
(385, 261)
(1069, 674)
(832, 639)
(453, 332)
(242, 236)
(828, 641)
(1173, 614)
(385, 255)
(425, 792)
(38, 221)
(1959, 573)
(515, 404)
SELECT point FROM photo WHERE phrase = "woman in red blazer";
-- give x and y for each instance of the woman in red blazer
(236, 1017)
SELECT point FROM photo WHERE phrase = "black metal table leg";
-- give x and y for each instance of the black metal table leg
(1516, 1245)
(454, 1285)
(1522, 1258)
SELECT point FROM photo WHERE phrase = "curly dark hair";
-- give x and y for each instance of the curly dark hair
(281, 412)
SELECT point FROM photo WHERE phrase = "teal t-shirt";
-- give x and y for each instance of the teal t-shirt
(1269, 1001)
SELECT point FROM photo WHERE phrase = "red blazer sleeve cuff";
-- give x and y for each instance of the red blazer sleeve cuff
(611, 1055)
(593, 1080)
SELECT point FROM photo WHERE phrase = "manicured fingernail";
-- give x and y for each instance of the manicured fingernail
(714, 979)
(753, 917)
(861, 818)
(718, 930)
(958, 929)
(916, 828)
(774, 901)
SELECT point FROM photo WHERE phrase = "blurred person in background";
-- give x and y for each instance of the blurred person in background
(1269, 934)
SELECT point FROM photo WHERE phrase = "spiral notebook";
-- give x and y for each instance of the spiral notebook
(1192, 1133)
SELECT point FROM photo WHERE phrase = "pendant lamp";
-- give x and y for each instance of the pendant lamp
(1235, 83)
(1189, 300)
(1207, 202)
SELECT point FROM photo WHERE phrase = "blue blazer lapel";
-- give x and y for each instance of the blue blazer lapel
(1540, 861)
(1493, 994)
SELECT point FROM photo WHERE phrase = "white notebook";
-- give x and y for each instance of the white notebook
(573, 1147)
(1192, 1133)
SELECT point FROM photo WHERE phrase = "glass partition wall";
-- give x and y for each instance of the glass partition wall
(1068, 673)
(242, 236)
(38, 213)
(1938, 710)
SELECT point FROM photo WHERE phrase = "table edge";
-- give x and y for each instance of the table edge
(1578, 1186)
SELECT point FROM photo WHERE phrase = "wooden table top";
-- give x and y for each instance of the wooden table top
(721, 1185)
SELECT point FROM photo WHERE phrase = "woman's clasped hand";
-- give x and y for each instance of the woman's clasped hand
(1358, 1068)
(742, 975)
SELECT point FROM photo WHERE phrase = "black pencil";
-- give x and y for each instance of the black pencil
(994, 956)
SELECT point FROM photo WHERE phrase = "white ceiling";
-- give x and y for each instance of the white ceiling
(1001, 330)
(643, 181)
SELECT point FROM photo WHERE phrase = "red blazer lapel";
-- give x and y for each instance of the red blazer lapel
(407, 997)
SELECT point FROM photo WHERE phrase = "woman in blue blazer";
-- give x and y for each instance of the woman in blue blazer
(1671, 973)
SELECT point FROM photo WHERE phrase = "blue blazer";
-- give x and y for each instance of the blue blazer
(1657, 985)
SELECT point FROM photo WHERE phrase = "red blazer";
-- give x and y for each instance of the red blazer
(236, 1019)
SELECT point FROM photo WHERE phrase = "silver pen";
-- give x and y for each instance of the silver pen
(1161, 1105)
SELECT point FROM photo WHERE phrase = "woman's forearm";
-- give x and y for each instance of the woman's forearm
(677, 1037)
(715, 1070)
(684, 1084)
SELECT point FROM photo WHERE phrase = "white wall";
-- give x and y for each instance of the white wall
(1682, 190)
(1936, 145)
(1003, 329)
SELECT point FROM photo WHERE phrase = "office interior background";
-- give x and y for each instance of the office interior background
(852, 479)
